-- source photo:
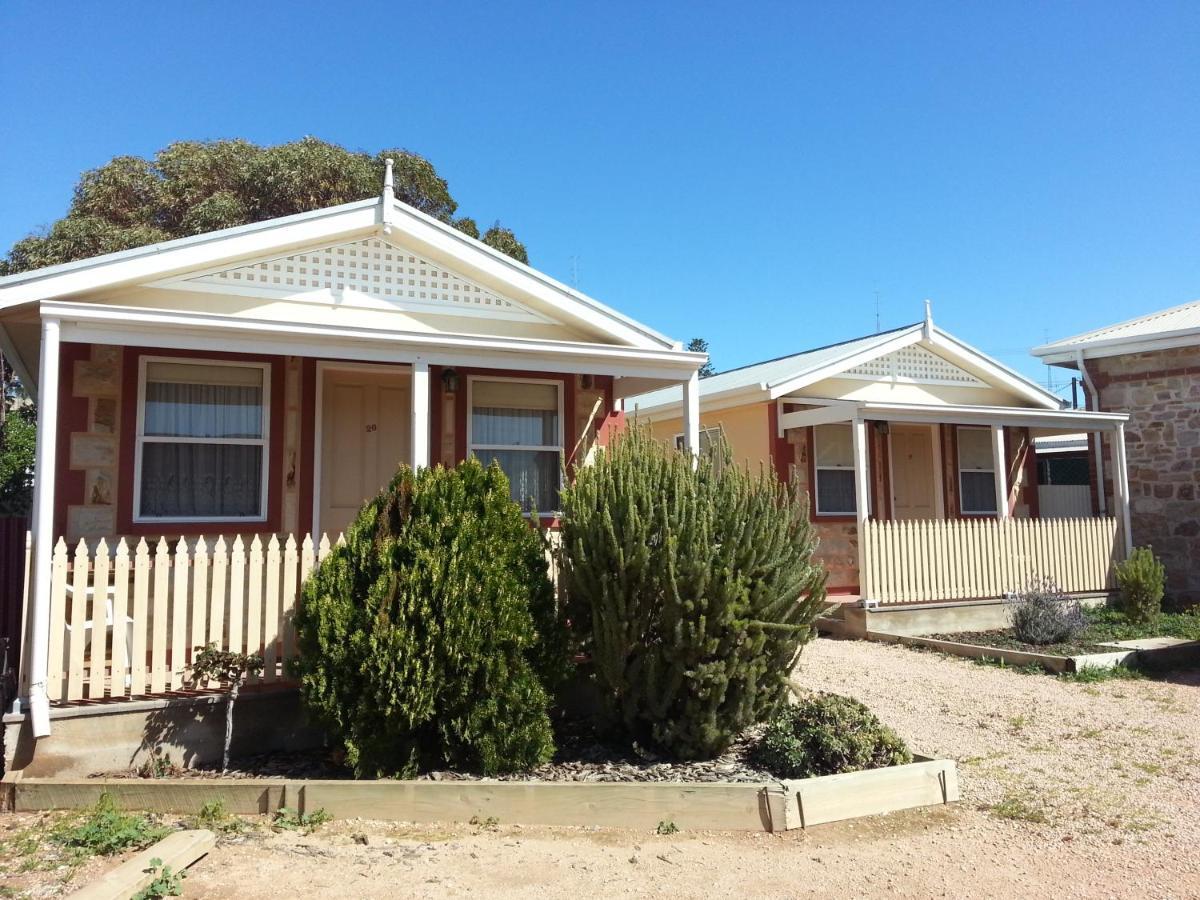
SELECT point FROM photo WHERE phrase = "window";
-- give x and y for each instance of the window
(519, 425)
(201, 444)
(708, 439)
(976, 473)
(833, 458)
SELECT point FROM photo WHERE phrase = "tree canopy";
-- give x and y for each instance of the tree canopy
(191, 187)
(700, 345)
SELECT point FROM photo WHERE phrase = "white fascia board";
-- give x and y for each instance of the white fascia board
(18, 364)
(821, 415)
(964, 354)
(993, 415)
(156, 261)
(477, 260)
(1059, 355)
(190, 330)
(903, 339)
(669, 409)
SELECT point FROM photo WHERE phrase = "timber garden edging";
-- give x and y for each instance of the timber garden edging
(766, 806)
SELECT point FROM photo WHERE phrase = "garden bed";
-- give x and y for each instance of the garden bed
(770, 805)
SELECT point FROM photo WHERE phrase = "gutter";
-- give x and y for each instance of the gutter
(1094, 404)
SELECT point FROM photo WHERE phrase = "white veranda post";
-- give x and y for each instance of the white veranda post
(1000, 468)
(862, 471)
(1120, 476)
(691, 414)
(43, 528)
(420, 415)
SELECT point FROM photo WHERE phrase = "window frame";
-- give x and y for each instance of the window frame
(140, 439)
(560, 449)
(817, 469)
(962, 508)
(704, 429)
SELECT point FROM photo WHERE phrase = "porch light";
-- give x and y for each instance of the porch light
(450, 380)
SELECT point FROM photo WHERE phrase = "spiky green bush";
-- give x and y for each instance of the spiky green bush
(692, 586)
(1142, 580)
(432, 637)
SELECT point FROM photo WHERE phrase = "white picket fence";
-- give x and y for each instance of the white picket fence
(920, 561)
(125, 624)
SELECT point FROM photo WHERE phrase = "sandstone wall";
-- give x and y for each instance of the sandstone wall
(1161, 393)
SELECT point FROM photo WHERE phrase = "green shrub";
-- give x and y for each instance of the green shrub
(432, 636)
(692, 586)
(1142, 579)
(824, 734)
(1043, 614)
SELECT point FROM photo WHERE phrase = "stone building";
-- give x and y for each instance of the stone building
(1150, 368)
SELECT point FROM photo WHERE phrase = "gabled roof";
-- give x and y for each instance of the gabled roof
(383, 215)
(775, 378)
(1174, 327)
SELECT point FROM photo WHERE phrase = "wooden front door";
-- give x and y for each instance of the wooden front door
(914, 492)
(364, 438)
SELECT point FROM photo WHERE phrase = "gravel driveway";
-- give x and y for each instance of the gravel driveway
(1068, 790)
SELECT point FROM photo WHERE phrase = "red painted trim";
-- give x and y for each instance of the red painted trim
(1103, 380)
(69, 486)
(782, 454)
(129, 386)
(1031, 479)
(308, 440)
(435, 415)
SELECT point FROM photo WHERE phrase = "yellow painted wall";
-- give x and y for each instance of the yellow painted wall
(746, 428)
(884, 390)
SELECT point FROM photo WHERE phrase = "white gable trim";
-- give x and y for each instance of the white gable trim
(965, 354)
(90, 323)
(298, 277)
(438, 241)
(790, 385)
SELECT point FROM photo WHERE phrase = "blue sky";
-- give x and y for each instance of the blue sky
(751, 173)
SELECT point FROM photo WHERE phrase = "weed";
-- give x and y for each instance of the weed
(1094, 674)
(1149, 768)
(215, 817)
(166, 883)
(156, 766)
(491, 823)
(1017, 808)
(1016, 723)
(106, 830)
(288, 819)
(665, 827)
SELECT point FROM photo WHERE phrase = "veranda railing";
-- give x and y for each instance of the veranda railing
(918, 561)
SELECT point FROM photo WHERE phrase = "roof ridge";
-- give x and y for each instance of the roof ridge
(852, 340)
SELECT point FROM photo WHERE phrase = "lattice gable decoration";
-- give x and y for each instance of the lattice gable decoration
(914, 365)
(371, 269)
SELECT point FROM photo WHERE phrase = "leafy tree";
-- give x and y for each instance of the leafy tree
(694, 588)
(18, 437)
(191, 187)
(700, 345)
(432, 636)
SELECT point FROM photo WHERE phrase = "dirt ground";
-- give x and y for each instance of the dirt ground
(1069, 790)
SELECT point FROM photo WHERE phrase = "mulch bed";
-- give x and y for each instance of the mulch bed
(580, 757)
(1003, 640)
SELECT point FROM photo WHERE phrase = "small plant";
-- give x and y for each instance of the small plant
(215, 817)
(1020, 809)
(665, 827)
(491, 823)
(288, 819)
(156, 766)
(1093, 674)
(106, 830)
(1042, 614)
(166, 883)
(212, 664)
(1142, 580)
(827, 733)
